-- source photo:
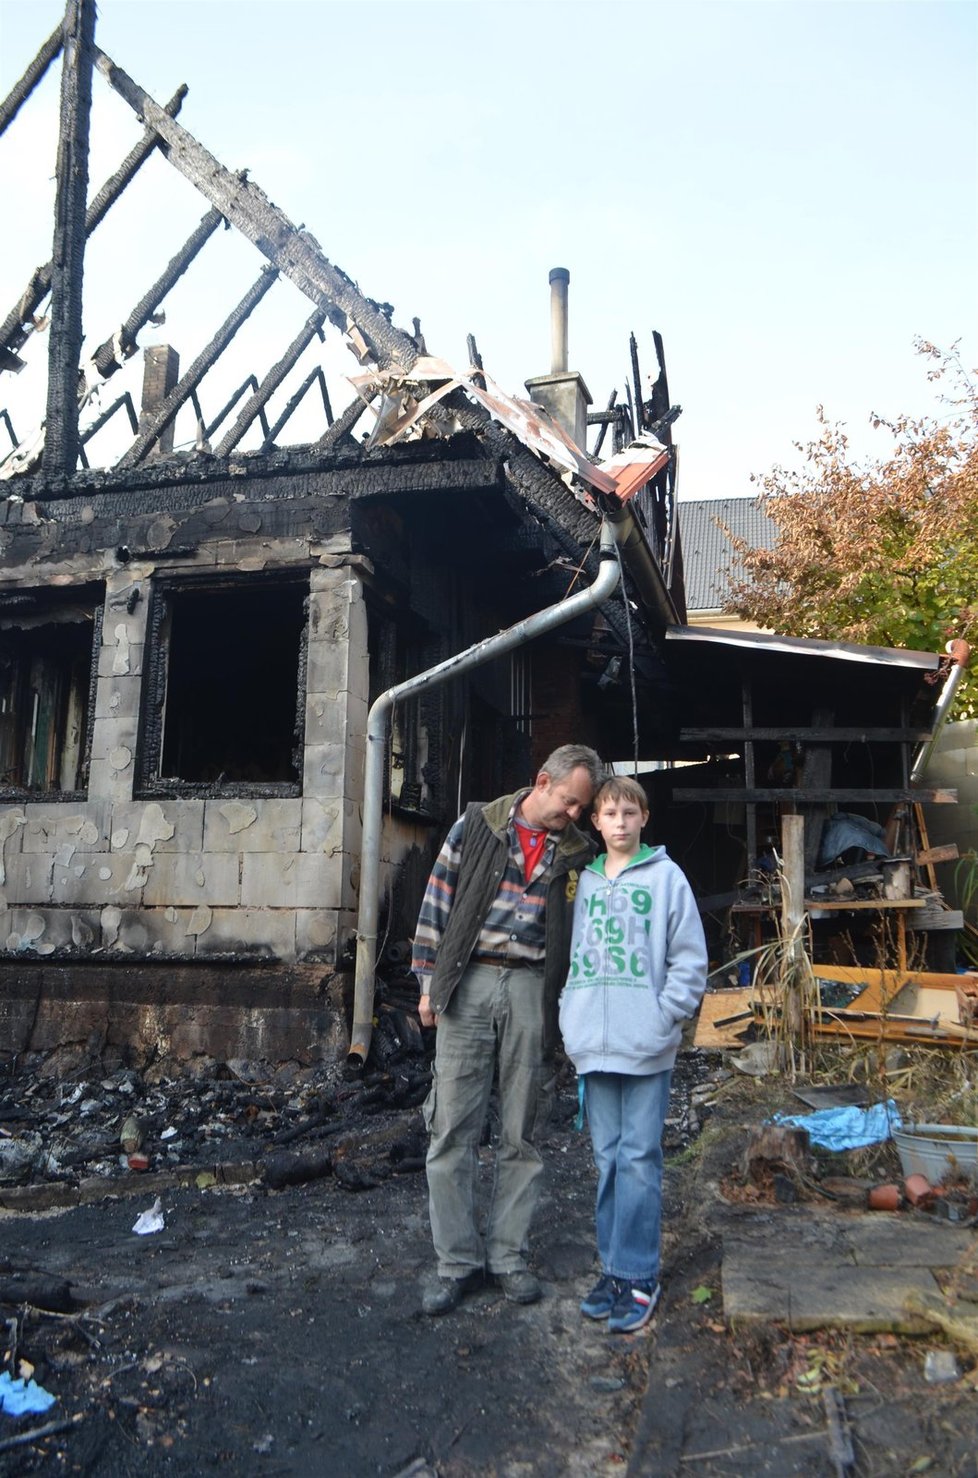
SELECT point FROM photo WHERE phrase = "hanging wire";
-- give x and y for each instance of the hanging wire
(631, 659)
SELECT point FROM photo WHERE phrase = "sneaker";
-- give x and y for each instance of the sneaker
(442, 1295)
(634, 1307)
(602, 1298)
(520, 1286)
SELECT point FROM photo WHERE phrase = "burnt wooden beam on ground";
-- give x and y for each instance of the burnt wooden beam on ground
(199, 368)
(68, 257)
(18, 324)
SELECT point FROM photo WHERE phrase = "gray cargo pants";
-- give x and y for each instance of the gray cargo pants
(494, 1016)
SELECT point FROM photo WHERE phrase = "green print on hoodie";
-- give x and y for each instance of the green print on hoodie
(638, 966)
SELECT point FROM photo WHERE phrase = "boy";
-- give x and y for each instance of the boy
(638, 969)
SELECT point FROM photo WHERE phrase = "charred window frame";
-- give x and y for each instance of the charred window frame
(413, 783)
(49, 644)
(223, 709)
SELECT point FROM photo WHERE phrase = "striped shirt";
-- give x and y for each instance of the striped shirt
(514, 930)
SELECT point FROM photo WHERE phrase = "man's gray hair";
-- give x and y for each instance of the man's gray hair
(571, 757)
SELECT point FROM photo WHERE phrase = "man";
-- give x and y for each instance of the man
(491, 951)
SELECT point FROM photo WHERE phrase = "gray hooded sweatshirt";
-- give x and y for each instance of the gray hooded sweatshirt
(638, 966)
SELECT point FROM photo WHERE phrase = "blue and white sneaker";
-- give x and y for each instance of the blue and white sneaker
(634, 1307)
(603, 1296)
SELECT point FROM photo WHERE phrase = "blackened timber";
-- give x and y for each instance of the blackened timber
(64, 350)
(110, 355)
(18, 323)
(294, 402)
(199, 368)
(256, 405)
(637, 381)
(250, 384)
(295, 253)
(90, 431)
(344, 423)
(604, 419)
(22, 90)
(936, 795)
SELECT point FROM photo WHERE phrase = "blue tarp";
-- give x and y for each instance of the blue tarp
(847, 1128)
(20, 1396)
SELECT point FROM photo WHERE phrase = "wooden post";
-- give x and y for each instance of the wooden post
(792, 918)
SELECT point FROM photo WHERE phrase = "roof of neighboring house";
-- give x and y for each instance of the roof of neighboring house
(709, 561)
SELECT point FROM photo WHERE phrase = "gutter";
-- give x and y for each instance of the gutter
(378, 723)
(642, 565)
(960, 654)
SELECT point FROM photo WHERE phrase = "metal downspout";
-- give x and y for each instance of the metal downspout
(642, 565)
(373, 775)
(960, 654)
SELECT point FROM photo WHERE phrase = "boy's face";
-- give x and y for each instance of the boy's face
(620, 823)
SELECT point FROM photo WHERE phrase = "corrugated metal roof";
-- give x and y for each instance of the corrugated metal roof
(709, 562)
(804, 646)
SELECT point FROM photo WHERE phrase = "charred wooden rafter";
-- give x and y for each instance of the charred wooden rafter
(111, 354)
(64, 349)
(295, 253)
(315, 375)
(19, 322)
(182, 391)
(19, 94)
(256, 405)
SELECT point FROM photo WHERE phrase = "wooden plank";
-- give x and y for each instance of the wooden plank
(947, 853)
(717, 1006)
(836, 905)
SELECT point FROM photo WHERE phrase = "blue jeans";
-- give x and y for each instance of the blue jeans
(494, 1020)
(626, 1113)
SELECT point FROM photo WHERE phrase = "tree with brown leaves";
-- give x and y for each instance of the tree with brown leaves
(884, 553)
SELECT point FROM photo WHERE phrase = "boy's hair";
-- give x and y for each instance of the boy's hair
(621, 788)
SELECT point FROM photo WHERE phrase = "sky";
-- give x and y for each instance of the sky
(787, 191)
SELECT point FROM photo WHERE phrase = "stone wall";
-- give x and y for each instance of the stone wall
(200, 877)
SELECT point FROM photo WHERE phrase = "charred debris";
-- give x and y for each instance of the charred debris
(196, 615)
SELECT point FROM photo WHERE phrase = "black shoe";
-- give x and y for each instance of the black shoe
(441, 1295)
(520, 1286)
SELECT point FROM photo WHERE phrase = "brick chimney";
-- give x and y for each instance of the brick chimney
(161, 370)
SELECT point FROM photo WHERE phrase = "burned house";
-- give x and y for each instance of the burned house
(193, 633)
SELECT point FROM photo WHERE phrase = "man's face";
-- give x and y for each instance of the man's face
(551, 804)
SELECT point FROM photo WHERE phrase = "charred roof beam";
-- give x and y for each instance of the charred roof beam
(19, 94)
(60, 457)
(18, 324)
(111, 354)
(312, 377)
(256, 405)
(183, 390)
(295, 253)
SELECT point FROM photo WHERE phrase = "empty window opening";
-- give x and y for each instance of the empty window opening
(230, 684)
(46, 677)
